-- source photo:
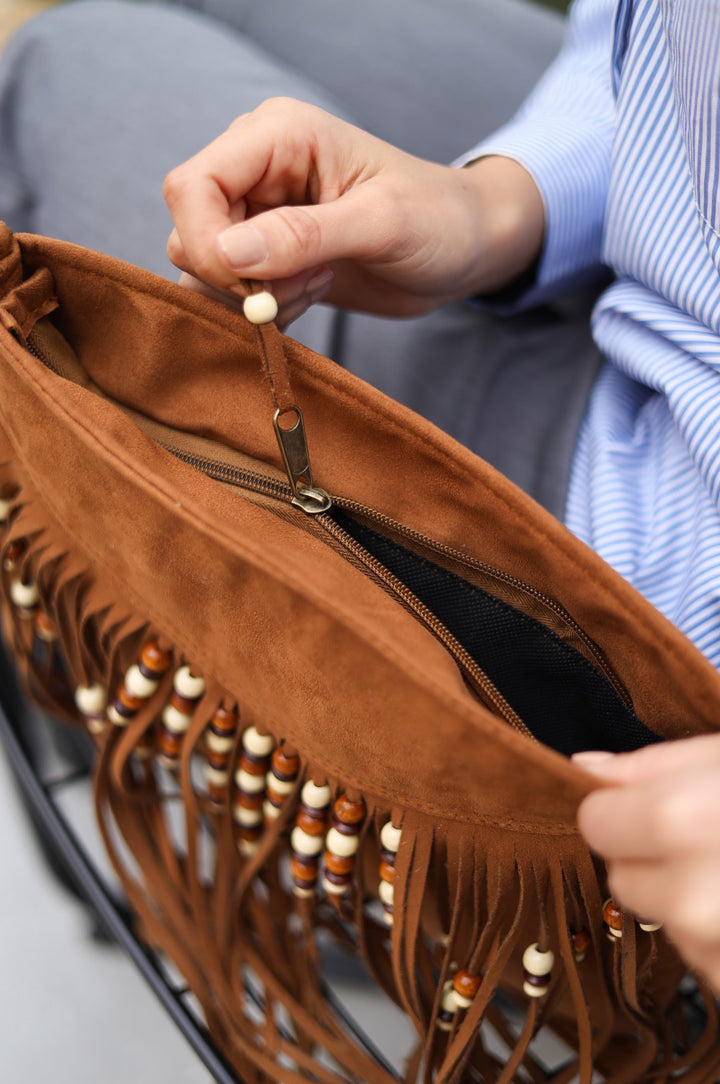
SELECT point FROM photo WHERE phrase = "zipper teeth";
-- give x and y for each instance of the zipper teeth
(506, 577)
(273, 488)
(491, 694)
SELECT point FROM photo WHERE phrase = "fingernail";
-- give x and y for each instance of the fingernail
(244, 246)
(593, 760)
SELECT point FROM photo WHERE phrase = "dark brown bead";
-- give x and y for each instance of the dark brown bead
(340, 879)
(387, 872)
(536, 980)
(337, 864)
(153, 659)
(13, 552)
(274, 798)
(465, 984)
(347, 811)
(285, 767)
(612, 915)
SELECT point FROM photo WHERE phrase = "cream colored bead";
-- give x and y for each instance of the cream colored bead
(303, 893)
(270, 811)
(388, 918)
(315, 797)
(187, 685)
(215, 777)
(260, 308)
(534, 991)
(115, 717)
(305, 844)
(280, 786)
(341, 845)
(449, 999)
(334, 890)
(390, 837)
(650, 927)
(248, 818)
(24, 595)
(5, 509)
(90, 699)
(536, 962)
(461, 1001)
(176, 721)
(138, 685)
(216, 744)
(248, 847)
(251, 784)
(96, 726)
(386, 892)
(258, 745)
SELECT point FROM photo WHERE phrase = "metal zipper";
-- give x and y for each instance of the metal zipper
(270, 487)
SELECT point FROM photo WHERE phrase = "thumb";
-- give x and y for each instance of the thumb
(288, 240)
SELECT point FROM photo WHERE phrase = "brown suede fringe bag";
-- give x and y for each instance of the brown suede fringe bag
(343, 716)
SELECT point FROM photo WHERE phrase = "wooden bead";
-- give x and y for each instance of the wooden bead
(341, 844)
(387, 872)
(247, 817)
(90, 699)
(280, 787)
(132, 703)
(613, 918)
(536, 962)
(313, 826)
(188, 684)
(347, 811)
(175, 721)
(225, 720)
(169, 744)
(305, 872)
(304, 844)
(390, 837)
(338, 865)
(13, 553)
(155, 661)
(44, 627)
(215, 744)
(253, 784)
(316, 797)
(259, 745)
(580, 941)
(465, 986)
(285, 766)
(386, 892)
(448, 1007)
(138, 684)
(536, 985)
(5, 509)
(249, 801)
(25, 595)
(260, 308)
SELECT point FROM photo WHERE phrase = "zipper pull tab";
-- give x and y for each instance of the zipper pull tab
(294, 450)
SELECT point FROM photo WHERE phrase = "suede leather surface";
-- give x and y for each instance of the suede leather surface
(306, 630)
(311, 646)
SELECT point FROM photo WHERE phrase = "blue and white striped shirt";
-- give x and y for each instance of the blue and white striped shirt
(623, 138)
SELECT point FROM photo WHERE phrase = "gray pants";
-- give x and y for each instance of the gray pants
(100, 98)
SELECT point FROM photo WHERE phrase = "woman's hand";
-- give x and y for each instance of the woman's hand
(317, 208)
(658, 827)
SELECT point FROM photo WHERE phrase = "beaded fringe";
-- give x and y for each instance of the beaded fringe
(239, 859)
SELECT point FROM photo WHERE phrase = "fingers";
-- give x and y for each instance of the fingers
(293, 296)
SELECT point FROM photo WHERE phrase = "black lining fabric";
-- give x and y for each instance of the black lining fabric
(564, 701)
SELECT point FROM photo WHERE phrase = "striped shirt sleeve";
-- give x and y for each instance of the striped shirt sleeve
(563, 136)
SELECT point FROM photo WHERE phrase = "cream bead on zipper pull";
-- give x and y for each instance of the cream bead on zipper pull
(260, 308)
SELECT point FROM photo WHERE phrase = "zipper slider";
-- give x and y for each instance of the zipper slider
(294, 450)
